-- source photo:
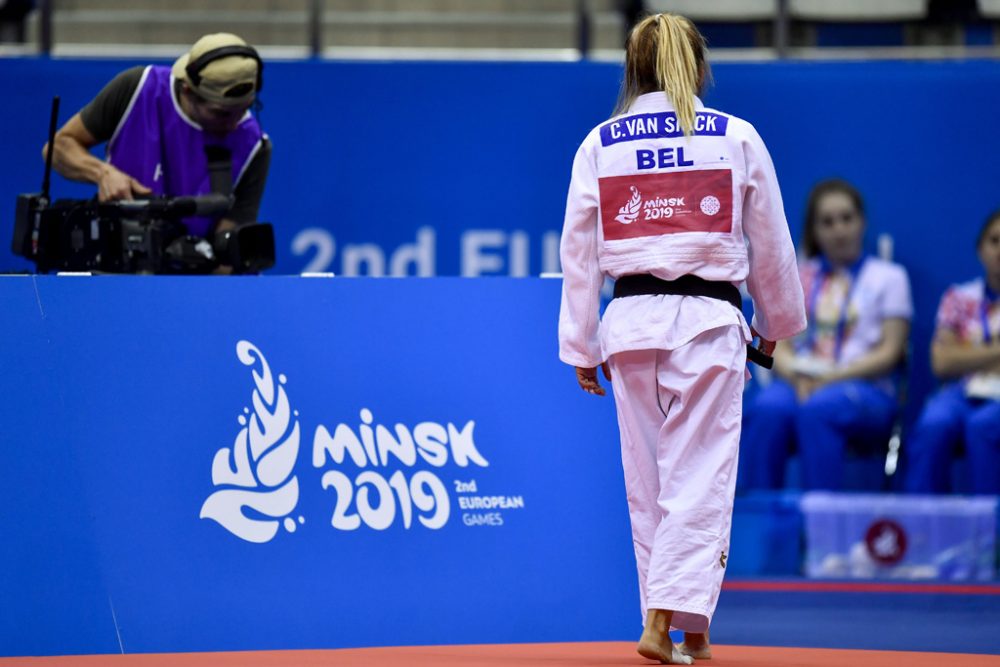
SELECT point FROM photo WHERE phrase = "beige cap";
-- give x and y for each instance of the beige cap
(224, 80)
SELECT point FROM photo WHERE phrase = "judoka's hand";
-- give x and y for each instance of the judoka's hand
(587, 377)
(764, 345)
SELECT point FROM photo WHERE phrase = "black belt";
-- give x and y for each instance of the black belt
(689, 285)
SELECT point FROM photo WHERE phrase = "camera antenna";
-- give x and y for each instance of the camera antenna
(53, 119)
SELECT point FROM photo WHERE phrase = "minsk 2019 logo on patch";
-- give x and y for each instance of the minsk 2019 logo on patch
(672, 202)
(378, 477)
(661, 207)
(630, 211)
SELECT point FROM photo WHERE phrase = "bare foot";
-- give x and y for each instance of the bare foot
(696, 645)
(667, 654)
(655, 642)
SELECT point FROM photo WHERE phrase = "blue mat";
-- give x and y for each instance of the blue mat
(882, 621)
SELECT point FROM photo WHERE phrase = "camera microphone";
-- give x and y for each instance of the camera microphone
(204, 205)
(170, 208)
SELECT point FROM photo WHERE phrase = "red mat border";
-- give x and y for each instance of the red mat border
(594, 654)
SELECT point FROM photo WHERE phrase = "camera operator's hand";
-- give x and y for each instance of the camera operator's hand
(114, 185)
(224, 225)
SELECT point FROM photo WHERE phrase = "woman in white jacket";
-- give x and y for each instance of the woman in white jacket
(679, 204)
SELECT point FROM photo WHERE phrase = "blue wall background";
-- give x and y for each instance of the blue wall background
(366, 154)
(113, 416)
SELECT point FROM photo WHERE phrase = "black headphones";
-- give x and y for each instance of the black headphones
(195, 67)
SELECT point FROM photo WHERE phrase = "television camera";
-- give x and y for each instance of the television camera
(137, 236)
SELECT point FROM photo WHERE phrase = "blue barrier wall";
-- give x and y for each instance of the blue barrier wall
(186, 467)
(122, 518)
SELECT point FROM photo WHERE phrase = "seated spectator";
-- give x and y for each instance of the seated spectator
(965, 354)
(834, 386)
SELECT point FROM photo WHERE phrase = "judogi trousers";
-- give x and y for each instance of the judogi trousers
(679, 412)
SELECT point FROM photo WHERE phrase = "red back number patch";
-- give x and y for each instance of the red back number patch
(667, 203)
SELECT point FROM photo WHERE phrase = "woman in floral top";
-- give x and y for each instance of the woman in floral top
(965, 353)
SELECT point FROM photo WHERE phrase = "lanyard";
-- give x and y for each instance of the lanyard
(825, 271)
(989, 298)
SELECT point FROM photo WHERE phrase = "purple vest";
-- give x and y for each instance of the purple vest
(156, 144)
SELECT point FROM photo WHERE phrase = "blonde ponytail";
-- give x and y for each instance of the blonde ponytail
(676, 69)
(665, 52)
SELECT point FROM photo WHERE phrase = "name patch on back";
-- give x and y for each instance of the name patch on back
(660, 125)
(666, 203)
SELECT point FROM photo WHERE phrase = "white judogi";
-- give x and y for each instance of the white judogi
(645, 199)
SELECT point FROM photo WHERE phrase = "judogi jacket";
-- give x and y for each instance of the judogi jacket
(643, 198)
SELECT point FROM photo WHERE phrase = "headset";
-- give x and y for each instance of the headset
(195, 67)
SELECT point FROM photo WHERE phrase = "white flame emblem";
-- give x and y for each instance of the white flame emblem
(260, 462)
(630, 211)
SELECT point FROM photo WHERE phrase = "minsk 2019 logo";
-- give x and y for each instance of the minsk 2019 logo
(630, 211)
(257, 472)
(661, 207)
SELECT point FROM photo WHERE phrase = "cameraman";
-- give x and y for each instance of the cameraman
(158, 122)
